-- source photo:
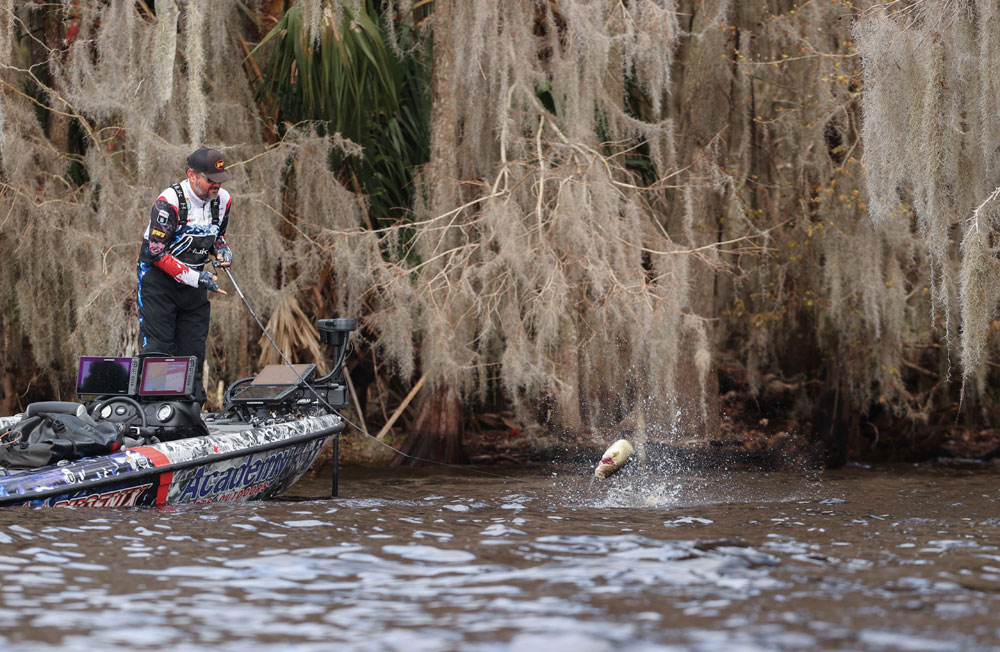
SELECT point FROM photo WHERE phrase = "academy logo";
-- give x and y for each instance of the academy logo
(255, 474)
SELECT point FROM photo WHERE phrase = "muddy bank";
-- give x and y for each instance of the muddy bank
(765, 443)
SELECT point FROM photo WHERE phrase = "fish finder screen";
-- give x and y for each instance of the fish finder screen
(165, 376)
(283, 374)
(99, 376)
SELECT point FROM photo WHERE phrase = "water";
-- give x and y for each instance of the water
(861, 559)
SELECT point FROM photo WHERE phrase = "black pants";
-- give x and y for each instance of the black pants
(173, 319)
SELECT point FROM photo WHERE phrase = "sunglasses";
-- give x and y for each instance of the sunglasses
(205, 177)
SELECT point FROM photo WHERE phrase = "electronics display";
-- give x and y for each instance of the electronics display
(99, 376)
(264, 393)
(275, 382)
(283, 374)
(167, 376)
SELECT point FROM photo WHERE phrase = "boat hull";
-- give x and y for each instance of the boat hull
(233, 463)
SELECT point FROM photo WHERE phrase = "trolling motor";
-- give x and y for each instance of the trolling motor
(287, 389)
(335, 332)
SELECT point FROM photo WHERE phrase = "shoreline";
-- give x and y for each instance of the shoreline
(736, 447)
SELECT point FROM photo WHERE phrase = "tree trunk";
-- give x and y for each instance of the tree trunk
(441, 170)
(58, 123)
(702, 80)
(437, 431)
(8, 398)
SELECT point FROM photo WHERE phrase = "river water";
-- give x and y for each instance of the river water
(902, 558)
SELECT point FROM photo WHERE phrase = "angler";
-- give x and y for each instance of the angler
(187, 228)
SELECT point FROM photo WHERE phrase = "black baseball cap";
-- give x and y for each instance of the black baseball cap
(209, 162)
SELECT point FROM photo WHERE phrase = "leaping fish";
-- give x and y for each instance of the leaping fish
(614, 458)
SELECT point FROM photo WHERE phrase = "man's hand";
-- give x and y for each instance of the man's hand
(207, 281)
(224, 258)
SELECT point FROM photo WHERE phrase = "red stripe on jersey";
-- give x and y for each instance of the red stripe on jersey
(172, 266)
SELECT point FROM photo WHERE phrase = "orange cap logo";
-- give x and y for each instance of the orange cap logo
(219, 164)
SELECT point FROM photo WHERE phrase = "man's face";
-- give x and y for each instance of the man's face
(202, 187)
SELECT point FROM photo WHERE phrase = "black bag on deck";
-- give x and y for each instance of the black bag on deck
(50, 437)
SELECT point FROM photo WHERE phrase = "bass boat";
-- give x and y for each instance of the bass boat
(138, 437)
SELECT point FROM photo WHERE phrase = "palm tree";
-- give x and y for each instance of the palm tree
(344, 74)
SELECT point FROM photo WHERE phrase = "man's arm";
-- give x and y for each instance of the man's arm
(162, 227)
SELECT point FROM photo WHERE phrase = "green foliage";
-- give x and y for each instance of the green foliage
(346, 76)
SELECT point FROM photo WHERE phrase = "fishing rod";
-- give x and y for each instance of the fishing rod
(330, 407)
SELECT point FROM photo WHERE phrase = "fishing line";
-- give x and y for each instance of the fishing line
(420, 459)
(257, 319)
(331, 408)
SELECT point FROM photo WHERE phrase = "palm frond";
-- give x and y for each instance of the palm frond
(348, 78)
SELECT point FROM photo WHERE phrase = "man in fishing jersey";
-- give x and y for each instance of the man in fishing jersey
(187, 229)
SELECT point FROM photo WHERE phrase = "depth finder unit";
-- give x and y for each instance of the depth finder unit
(287, 388)
(167, 377)
(156, 393)
(97, 376)
(153, 392)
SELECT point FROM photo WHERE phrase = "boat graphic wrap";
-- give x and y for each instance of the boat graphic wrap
(70, 477)
(250, 476)
(118, 498)
(245, 464)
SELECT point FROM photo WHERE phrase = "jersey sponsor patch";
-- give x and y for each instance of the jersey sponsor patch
(158, 233)
(162, 217)
(156, 248)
